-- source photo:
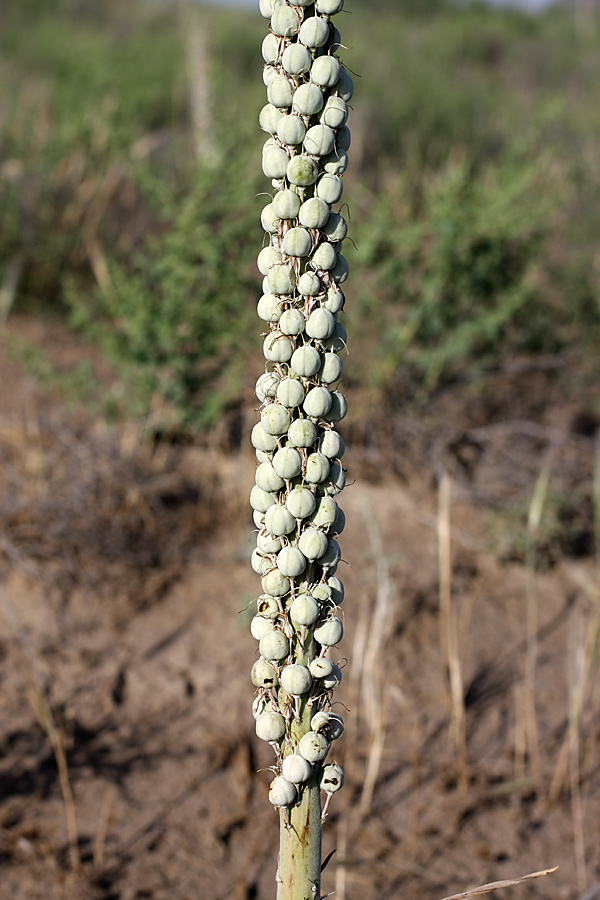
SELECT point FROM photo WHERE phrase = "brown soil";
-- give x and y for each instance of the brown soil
(124, 642)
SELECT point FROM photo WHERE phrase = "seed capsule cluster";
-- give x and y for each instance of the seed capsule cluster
(299, 452)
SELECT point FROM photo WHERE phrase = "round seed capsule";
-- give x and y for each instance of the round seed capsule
(302, 433)
(268, 219)
(261, 456)
(330, 682)
(329, 724)
(337, 589)
(343, 138)
(335, 113)
(296, 59)
(266, 543)
(268, 257)
(297, 242)
(263, 674)
(325, 71)
(287, 463)
(261, 440)
(334, 300)
(309, 284)
(285, 22)
(340, 522)
(274, 645)
(312, 543)
(306, 361)
(302, 170)
(338, 339)
(291, 562)
(338, 408)
(259, 627)
(261, 500)
(317, 402)
(331, 368)
(339, 272)
(260, 563)
(336, 227)
(329, 7)
(267, 478)
(258, 518)
(308, 100)
(332, 555)
(281, 279)
(345, 86)
(329, 633)
(267, 606)
(277, 347)
(325, 513)
(296, 680)
(323, 258)
(290, 394)
(270, 49)
(329, 188)
(336, 162)
(282, 792)
(320, 324)
(317, 468)
(320, 140)
(275, 419)
(313, 746)
(268, 308)
(332, 778)
(266, 7)
(266, 386)
(291, 130)
(292, 321)
(304, 610)
(300, 501)
(286, 204)
(270, 726)
(279, 520)
(322, 593)
(275, 162)
(268, 118)
(280, 92)
(321, 667)
(314, 32)
(336, 481)
(313, 213)
(296, 769)
(269, 73)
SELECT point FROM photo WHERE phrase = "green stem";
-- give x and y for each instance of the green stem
(299, 874)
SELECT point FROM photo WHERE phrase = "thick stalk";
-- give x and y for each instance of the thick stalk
(299, 874)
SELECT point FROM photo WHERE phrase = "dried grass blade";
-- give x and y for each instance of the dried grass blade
(497, 885)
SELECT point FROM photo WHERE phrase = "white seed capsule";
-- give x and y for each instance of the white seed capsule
(266, 544)
(282, 792)
(302, 170)
(300, 501)
(285, 21)
(320, 324)
(296, 769)
(309, 284)
(322, 593)
(286, 204)
(313, 213)
(280, 92)
(261, 440)
(259, 626)
(314, 32)
(258, 518)
(339, 272)
(260, 563)
(274, 645)
(340, 522)
(313, 746)
(302, 433)
(308, 100)
(325, 71)
(329, 633)
(269, 73)
(266, 386)
(267, 606)
(263, 674)
(304, 611)
(335, 113)
(312, 543)
(261, 456)
(329, 188)
(291, 130)
(334, 300)
(345, 86)
(275, 419)
(329, 724)
(297, 242)
(281, 279)
(330, 682)
(329, 7)
(270, 726)
(268, 219)
(268, 118)
(279, 520)
(270, 49)
(335, 163)
(319, 140)
(338, 339)
(331, 368)
(287, 463)
(306, 361)
(259, 706)
(291, 562)
(296, 59)
(317, 468)
(336, 227)
(296, 680)
(317, 402)
(266, 7)
(325, 513)
(277, 347)
(324, 257)
(336, 480)
(274, 162)
(332, 555)
(268, 257)
(337, 589)
(292, 321)
(261, 500)
(290, 392)
(338, 408)
(332, 778)
(268, 308)
(321, 668)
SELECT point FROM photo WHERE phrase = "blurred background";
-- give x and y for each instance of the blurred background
(130, 198)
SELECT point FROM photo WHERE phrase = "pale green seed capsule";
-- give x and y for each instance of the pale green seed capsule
(281, 279)
(321, 667)
(329, 724)
(266, 7)
(275, 162)
(343, 138)
(268, 219)
(312, 543)
(325, 71)
(335, 299)
(261, 456)
(320, 324)
(329, 633)
(325, 513)
(314, 32)
(308, 100)
(291, 131)
(336, 480)
(332, 778)
(300, 2)
(267, 606)
(300, 501)
(277, 347)
(329, 7)
(261, 500)
(330, 682)
(290, 393)
(302, 170)
(313, 746)
(285, 22)
(296, 680)
(339, 272)
(296, 769)
(306, 361)
(302, 433)
(297, 242)
(259, 626)
(270, 726)
(292, 322)
(319, 140)
(340, 522)
(274, 645)
(313, 213)
(337, 589)
(345, 86)
(286, 204)
(268, 256)
(322, 593)
(329, 188)
(317, 402)
(317, 468)
(270, 49)
(336, 227)
(335, 113)
(267, 478)
(280, 92)
(269, 117)
(332, 555)
(291, 562)
(282, 792)
(331, 368)
(304, 610)
(296, 59)
(275, 419)
(324, 257)
(268, 308)
(287, 463)
(335, 163)
(266, 386)
(260, 563)
(309, 284)
(279, 520)
(263, 674)
(266, 544)
(261, 440)
(338, 339)
(269, 73)
(338, 408)
(258, 518)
